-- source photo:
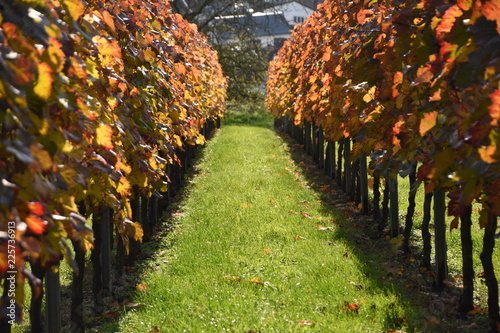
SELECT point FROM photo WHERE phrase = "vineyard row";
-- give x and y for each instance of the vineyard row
(406, 83)
(102, 104)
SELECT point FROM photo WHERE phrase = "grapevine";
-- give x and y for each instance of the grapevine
(406, 81)
(96, 98)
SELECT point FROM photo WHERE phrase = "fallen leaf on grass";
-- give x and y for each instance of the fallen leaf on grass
(246, 205)
(256, 281)
(297, 237)
(232, 278)
(320, 227)
(358, 286)
(306, 323)
(350, 307)
(111, 314)
(267, 251)
(306, 215)
(141, 287)
(133, 305)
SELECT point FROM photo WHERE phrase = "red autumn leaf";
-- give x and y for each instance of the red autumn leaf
(351, 307)
(36, 224)
(306, 215)
(36, 208)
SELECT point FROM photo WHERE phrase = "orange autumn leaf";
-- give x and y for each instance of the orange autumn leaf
(36, 224)
(491, 10)
(448, 21)
(306, 323)
(108, 19)
(489, 154)
(36, 208)
(428, 122)
(494, 108)
(141, 287)
(255, 281)
(306, 215)
(267, 251)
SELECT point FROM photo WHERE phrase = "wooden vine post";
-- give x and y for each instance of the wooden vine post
(440, 247)
(394, 204)
(489, 271)
(347, 185)
(363, 179)
(52, 301)
(467, 299)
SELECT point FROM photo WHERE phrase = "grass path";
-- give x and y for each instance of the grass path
(257, 250)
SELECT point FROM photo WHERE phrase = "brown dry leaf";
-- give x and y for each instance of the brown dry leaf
(132, 305)
(267, 251)
(111, 314)
(297, 237)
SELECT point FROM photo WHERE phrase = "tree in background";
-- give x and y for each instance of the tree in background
(243, 58)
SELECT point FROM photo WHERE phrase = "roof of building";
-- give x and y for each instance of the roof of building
(260, 24)
(308, 3)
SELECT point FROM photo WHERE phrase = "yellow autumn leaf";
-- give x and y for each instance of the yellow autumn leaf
(3, 94)
(104, 134)
(43, 85)
(123, 187)
(75, 8)
(370, 96)
(43, 158)
(134, 231)
(177, 140)
(177, 116)
(56, 55)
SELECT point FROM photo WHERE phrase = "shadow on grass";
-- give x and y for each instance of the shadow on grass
(126, 285)
(389, 269)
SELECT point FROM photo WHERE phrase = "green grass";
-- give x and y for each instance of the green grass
(244, 257)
